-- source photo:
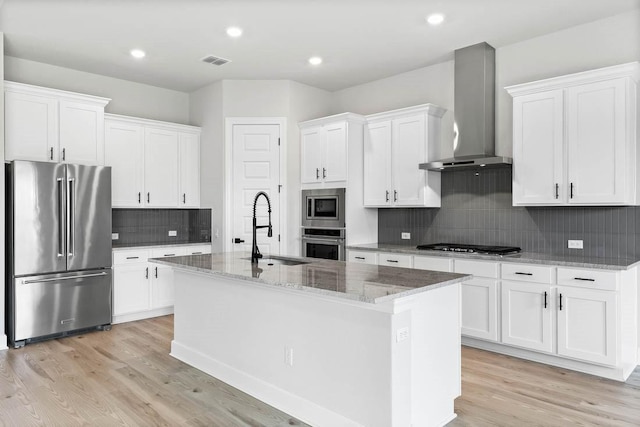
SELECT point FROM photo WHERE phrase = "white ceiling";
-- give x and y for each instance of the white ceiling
(360, 40)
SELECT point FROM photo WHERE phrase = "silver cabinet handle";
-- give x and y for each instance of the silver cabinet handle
(392, 260)
(571, 191)
(146, 273)
(133, 257)
(584, 280)
(324, 172)
(139, 199)
(156, 272)
(359, 257)
(557, 190)
(387, 195)
(51, 153)
(395, 195)
(148, 197)
(524, 274)
(64, 154)
(317, 173)
(184, 198)
(57, 279)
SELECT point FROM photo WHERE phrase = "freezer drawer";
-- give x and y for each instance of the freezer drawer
(57, 303)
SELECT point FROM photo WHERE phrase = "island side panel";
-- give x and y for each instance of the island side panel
(238, 331)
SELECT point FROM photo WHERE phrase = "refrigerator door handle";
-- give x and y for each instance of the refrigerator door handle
(71, 221)
(61, 218)
(57, 279)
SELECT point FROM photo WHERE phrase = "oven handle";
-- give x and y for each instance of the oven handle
(337, 240)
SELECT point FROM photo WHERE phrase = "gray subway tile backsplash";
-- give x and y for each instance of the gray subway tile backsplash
(137, 227)
(477, 209)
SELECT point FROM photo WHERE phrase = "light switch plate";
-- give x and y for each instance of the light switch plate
(575, 244)
(406, 236)
(173, 233)
(115, 236)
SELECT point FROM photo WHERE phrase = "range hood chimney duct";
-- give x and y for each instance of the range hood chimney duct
(474, 111)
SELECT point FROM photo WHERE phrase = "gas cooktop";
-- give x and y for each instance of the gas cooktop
(477, 249)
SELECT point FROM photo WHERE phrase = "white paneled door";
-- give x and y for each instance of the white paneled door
(255, 167)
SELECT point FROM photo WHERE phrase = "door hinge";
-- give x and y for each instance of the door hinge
(278, 237)
(279, 187)
(278, 141)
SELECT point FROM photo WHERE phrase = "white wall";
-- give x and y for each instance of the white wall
(252, 98)
(609, 41)
(128, 98)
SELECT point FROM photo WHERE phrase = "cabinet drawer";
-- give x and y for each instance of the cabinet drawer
(130, 256)
(197, 249)
(477, 268)
(168, 251)
(362, 257)
(585, 278)
(527, 273)
(395, 260)
(432, 263)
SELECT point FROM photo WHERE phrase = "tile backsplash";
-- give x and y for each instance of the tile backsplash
(151, 226)
(477, 209)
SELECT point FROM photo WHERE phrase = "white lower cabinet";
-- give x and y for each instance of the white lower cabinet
(587, 325)
(395, 260)
(527, 315)
(479, 305)
(142, 289)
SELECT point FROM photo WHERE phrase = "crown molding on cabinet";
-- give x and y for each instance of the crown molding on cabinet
(430, 109)
(57, 93)
(631, 69)
(332, 119)
(154, 123)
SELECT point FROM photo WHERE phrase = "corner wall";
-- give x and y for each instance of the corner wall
(3, 336)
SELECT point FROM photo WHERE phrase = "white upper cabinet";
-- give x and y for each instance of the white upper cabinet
(154, 164)
(395, 143)
(124, 152)
(189, 167)
(324, 149)
(574, 139)
(51, 125)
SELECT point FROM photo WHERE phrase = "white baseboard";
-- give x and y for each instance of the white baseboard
(123, 318)
(291, 404)
(612, 373)
(3, 342)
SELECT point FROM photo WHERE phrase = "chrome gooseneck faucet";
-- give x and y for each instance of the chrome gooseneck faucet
(255, 252)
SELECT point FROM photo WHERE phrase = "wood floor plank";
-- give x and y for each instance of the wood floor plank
(125, 377)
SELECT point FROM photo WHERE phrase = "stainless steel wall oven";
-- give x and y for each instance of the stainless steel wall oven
(324, 243)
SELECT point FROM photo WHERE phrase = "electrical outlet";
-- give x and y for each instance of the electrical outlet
(173, 233)
(406, 236)
(288, 356)
(217, 233)
(115, 236)
(574, 244)
(402, 334)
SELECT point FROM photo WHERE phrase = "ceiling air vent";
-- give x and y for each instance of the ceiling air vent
(215, 60)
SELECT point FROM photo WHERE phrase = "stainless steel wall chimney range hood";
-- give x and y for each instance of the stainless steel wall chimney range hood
(474, 111)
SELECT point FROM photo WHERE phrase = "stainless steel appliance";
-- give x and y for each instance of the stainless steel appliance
(323, 208)
(480, 249)
(327, 243)
(58, 236)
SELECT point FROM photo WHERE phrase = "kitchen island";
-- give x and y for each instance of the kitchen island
(329, 342)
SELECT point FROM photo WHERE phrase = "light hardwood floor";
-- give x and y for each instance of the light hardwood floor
(126, 377)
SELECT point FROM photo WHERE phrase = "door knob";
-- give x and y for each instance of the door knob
(236, 240)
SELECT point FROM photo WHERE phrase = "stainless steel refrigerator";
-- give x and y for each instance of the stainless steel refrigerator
(58, 250)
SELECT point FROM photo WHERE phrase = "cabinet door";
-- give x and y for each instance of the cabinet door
(162, 286)
(31, 127)
(526, 315)
(334, 166)
(131, 289)
(596, 142)
(311, 141)
(479, 309)
(377, 164)
(189, 170)
(81, 133)
(538, 149)
(160, 168)
(124, 152)
(408, 150)
(587, 325)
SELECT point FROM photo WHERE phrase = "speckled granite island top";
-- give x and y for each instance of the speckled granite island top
(360, 282)
(523, 257)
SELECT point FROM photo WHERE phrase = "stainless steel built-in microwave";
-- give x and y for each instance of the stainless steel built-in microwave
(323, 208)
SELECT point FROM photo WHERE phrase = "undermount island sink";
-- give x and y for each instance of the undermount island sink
(279, 261)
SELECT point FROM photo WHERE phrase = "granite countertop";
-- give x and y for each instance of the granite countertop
(148, 246)
(522, 257)
(360, 282)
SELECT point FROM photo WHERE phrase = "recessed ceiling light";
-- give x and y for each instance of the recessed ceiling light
(137, 53)
(234, 32)
(315, 60)
(435, 19)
